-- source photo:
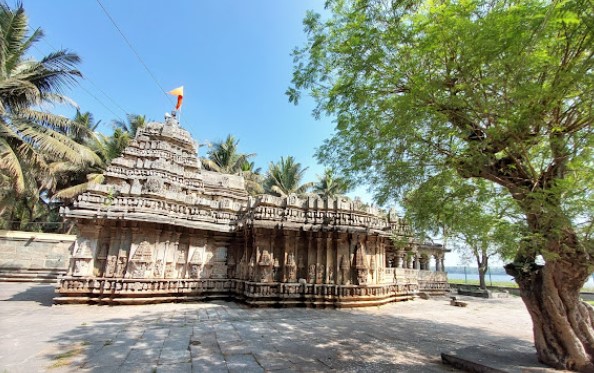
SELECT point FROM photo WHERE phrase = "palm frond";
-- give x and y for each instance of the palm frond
(58, 145)
(9, 162)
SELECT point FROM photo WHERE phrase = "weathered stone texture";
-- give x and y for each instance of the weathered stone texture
(162, 229)
(32, 251)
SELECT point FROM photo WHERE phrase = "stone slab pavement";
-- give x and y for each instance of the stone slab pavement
(38, 336)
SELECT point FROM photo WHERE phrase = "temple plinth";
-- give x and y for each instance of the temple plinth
(162, 229)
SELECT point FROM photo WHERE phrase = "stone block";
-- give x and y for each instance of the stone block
(143, 356)
(37, 263)
(243, 363)
(7, 249)
(14, 263)
(55, 263)
(185, 367)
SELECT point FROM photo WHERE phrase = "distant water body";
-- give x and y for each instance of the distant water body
(497, 278)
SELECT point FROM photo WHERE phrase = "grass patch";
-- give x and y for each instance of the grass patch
(507, 284)
(65, 358)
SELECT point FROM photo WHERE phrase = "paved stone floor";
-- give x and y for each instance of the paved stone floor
(228, 337)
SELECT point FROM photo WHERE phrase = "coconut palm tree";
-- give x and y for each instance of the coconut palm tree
(28, 133)
(331, 186)
(224, 157)
(253, 178)
(132, 125)
(66, 179)
(284, 178)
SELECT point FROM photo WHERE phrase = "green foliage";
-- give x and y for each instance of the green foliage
(501, 91)
(475, 213)
(224, 157)
(331, 186)
(132, 125)
(284, 178)
(34, 141)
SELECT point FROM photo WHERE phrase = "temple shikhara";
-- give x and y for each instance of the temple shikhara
(162, 229)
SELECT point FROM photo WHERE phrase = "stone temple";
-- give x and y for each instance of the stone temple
(162, 229)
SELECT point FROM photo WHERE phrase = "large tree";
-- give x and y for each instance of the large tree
(28, 133)
(32, 138)
(495, 90)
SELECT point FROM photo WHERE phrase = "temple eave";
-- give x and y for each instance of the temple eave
(161, 229)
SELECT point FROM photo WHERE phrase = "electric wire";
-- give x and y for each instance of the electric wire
(89, 92)
(87, 79)
(167, 97)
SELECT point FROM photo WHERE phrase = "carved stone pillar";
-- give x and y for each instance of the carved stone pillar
(410, 260)
(320, 260)
(85, 250)
(329, 260)
(438, 263)
(399, 259)
(115, 240)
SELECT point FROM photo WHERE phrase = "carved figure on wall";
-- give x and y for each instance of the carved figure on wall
(110, 266)
(311, 274)
(153, 185)
(320, 275)
(291, 268)
(170, 270)
(330, 275)
(251, 268)
(121, 269)
(265, 266)
(158, 270)
(360, 266)
(194, 271)
(206, 271)
(344, 269)
(81, 267)
(275, 270)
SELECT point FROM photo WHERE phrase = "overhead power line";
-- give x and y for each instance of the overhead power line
(87, 79)
(89, 92)
(167, 97)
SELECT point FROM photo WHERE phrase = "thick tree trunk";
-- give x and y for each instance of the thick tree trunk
(483, 266)
(562, 324)
(481, 273)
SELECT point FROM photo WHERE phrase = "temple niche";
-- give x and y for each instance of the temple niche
(162, 229)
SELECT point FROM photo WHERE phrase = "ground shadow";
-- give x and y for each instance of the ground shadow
(221, 337)
(43, 294)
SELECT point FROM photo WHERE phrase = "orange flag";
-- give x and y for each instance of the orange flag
(179, 92)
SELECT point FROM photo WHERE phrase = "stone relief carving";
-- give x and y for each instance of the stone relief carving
(153, 185)
(158, 182)
(110, 266)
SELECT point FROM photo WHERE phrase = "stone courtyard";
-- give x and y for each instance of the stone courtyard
(230, 337)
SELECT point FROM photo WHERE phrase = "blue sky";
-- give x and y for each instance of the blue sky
(232, 57)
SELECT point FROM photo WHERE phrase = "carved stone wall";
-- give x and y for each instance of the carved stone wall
(162, 229)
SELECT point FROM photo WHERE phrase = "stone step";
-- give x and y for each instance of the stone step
(38, 280)
(30, 275)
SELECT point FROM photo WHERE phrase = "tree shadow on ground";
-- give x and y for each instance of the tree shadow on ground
(226, 337)
(41, 294)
